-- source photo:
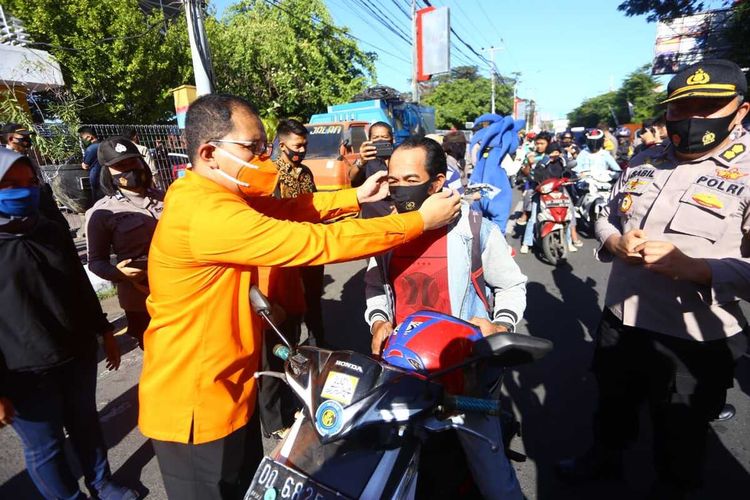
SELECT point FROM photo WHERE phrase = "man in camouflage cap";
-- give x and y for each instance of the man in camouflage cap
(676, 232)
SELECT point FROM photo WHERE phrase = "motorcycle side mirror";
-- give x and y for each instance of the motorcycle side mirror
(262, 308)
(259, 301)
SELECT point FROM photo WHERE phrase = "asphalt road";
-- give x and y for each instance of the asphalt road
(553, 398)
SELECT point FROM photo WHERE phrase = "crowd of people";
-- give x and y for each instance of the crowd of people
(433, 230)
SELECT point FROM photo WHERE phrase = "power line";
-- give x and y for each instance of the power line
(396, 30)
(343, 32)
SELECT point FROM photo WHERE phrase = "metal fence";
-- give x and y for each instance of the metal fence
(166, 152)
(167, 155)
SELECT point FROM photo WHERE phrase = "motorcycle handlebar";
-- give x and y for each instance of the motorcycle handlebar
(472, 405)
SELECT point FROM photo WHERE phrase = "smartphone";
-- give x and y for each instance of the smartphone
(139, 263)
(383, 149)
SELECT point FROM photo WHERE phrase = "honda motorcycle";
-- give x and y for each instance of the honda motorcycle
(593, 192)
(364, 419)
(553, 217)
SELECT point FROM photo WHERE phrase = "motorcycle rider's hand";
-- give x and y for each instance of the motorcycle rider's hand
(131, 273)
(381, 330)
(625, 246)
(375, 188)
(487, 327)
(367, 151)
(440, 209)
(665, 258)
(7, 412)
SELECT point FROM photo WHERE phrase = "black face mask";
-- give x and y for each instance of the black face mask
(294, 156)
(698, 135)
(132, 179)
(409, 198)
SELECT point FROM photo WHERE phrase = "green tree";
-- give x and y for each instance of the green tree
(120, 60)
(658, 10)
(460, 100)
(638, 89)
(289, 60)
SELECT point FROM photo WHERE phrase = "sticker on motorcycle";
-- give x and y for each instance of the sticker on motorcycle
(340, 387)
(329, 418)
(627, 202)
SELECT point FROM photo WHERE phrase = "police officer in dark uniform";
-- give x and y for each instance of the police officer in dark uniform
(676, 231)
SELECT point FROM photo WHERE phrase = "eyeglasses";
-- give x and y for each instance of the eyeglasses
(259, 149)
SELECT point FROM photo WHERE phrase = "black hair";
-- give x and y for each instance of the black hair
(210, 117)
(384, 125)
(435, 160)
(129, 132)
(290, 126)
(659, 120)
(87, 130)
(455, 149)
(546, 136)
(107, 183)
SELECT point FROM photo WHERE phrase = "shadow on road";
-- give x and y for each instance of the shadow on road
(118, 419)
(556, 398)
(345, 319)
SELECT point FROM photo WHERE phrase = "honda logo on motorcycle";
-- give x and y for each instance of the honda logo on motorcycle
(351, 366)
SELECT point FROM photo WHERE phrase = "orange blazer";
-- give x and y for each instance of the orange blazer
(203, 343)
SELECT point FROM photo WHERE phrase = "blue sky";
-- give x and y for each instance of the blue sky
(565, 50)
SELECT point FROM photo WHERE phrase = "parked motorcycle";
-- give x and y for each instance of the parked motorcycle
(552, 219)
(593, 192)
(364, 420)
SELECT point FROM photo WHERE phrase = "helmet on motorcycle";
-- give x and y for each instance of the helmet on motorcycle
(429, 341)
(594, 140)
(531, 136)
(622, 132)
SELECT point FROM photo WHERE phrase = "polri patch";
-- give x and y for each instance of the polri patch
(626, 204)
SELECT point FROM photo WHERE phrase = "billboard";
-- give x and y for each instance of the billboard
(433, 42)
(685, 40)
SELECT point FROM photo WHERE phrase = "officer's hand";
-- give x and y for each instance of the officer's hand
(7, 412)
(440, 209)
(664, 258)
(625, 246)
(381, 330)
(375, 188)
(487, 327)
(367, 151)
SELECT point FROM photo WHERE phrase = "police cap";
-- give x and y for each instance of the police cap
(710, 78)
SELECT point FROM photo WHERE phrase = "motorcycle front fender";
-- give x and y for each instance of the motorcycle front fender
(548, 227)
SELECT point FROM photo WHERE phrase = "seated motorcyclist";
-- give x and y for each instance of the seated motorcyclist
(624, 150)
(569, 148)
(552, 166)
(594, 158)
(434, 272)
(533, 157)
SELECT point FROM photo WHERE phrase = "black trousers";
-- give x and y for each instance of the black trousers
(684, 382)
(276, 401)
(220, 470)
(137, 323)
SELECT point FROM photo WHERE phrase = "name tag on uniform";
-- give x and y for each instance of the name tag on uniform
(639, 179)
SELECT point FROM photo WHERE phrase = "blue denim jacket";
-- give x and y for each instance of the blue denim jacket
(506, 284)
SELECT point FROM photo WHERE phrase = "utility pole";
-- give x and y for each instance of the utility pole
(493, 73)
(202, 69)
(415, 70)
(516, 80)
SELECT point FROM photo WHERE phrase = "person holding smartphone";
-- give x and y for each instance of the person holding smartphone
(123, 222)
(373, 154)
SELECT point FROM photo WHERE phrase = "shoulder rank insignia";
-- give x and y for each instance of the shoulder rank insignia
(731, 174)
(733, 152)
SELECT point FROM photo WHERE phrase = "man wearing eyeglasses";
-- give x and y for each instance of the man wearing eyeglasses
(197, 391)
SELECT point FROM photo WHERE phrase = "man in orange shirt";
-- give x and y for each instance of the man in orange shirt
(197, 392)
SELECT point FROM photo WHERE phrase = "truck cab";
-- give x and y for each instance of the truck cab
(336, 136)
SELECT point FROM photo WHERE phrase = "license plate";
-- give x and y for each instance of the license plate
(276, 481)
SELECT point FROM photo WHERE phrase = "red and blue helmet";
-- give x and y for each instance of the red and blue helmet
(429, 341)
